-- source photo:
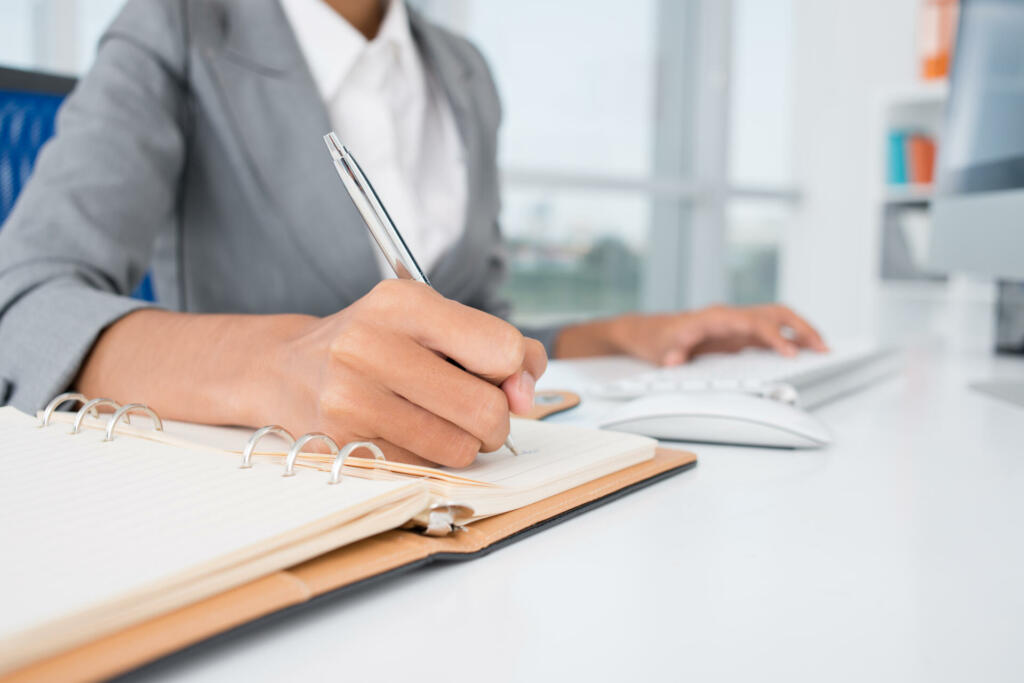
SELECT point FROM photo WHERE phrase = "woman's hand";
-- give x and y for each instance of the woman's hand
(378, 371)
(374, 371)
(671, 339)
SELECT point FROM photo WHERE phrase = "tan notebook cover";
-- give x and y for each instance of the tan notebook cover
(389, 552)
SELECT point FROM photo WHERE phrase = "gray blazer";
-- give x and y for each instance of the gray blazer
(194, 147)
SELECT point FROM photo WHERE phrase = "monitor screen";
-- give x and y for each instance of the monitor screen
(979, 200)
(983, 143)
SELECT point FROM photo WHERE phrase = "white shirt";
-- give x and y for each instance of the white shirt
(392, 113)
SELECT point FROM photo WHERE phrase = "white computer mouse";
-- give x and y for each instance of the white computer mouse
(719, 417)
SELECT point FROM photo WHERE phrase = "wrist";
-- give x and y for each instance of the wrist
(594, 338)
(267, 368)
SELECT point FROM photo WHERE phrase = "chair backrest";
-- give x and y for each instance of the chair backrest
(28, 110)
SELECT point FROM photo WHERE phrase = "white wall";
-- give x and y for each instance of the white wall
(847, 52)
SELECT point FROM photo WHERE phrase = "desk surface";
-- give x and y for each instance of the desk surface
(895, 554)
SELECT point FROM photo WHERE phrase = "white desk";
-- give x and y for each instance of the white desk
(895, 555)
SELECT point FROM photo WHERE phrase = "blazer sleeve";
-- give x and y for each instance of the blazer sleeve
(80, 236)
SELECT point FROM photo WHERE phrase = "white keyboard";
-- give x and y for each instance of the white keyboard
(809, 379)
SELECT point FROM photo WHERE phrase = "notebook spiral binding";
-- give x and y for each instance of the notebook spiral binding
(90, 407)
(441, 516)
(121, 412)
(340, 454)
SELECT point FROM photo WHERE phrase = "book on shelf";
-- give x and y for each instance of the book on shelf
(911, 158)
(936, 37)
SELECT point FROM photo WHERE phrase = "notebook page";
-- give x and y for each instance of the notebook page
(553, 458)
(87, 521)
(549, 452)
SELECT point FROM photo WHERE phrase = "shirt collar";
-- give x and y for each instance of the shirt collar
(332, 46)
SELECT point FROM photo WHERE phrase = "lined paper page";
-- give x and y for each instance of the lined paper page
(550, 452)
(552, 458)
(86, 521)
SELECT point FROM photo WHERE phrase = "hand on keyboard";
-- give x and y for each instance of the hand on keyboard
(672, 339)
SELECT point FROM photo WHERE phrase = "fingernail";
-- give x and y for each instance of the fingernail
(529, 385)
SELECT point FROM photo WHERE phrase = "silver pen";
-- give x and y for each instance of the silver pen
(379, 222)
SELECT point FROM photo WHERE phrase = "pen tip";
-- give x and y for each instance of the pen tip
(511, 446)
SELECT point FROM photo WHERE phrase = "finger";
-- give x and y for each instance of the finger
(395, 453)
(685, 332)
(421, 377)
(520, 391)
(384, 415)
(520, 387)
(535, 358)
(804, 333)
(485, 345)
(428, 436)
(672, 357)
(769, 333)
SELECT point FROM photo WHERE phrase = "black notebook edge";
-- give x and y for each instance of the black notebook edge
(224, 638)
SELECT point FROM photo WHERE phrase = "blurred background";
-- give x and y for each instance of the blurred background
(665, 154)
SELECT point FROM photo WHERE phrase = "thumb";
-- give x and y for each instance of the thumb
(520, 388)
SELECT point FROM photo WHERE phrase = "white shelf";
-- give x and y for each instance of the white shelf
(918, 94)
(910, 193)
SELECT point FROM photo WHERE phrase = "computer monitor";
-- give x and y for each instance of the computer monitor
(978, 210)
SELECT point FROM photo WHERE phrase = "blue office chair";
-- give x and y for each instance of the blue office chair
(28, 108)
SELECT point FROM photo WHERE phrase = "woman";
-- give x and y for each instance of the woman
(194, 146)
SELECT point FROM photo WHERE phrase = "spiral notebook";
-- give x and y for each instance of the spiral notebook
(120, 522)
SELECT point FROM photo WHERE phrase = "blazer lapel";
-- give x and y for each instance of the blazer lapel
(280, 120)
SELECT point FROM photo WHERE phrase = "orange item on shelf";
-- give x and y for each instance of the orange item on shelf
(921, 159)
(937, 34)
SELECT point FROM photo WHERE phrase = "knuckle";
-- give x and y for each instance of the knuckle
(385, 296)
(492, 420)
(395, 292)
(463, 449)
(511, 347)
(387, 287)
(354, 343)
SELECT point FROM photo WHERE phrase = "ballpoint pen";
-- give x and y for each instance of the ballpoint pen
(379, 223)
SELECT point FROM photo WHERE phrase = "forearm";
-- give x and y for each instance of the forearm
(201, 368)
(594, 338)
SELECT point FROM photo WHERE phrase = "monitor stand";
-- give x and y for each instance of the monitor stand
(1012, 392)
(1010, 318)
(1009, 341)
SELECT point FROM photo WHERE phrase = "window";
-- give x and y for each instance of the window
(574, 253)
(576, 146)
(646, 148)
(53, 35)
(761, 147)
